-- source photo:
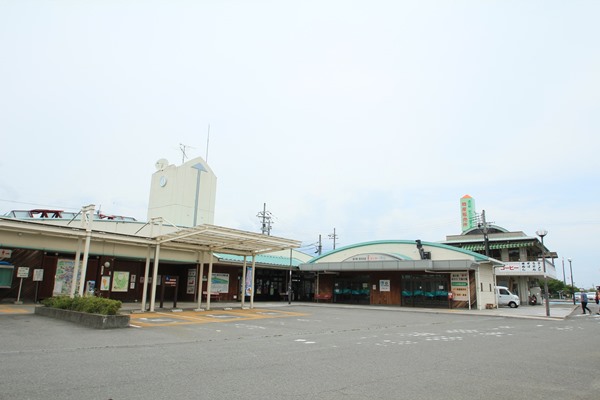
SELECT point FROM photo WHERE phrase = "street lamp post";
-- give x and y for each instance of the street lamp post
(541, 233)
(572, 283)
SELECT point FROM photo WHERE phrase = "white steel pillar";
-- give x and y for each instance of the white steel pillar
(87, 213)
(244, 282)
(199, 283)
(76, 269)
(154, 277)
(209, 281)
(146, 273)
(253, 275)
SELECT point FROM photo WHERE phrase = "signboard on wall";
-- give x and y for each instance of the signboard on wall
(370, 257)
(521, 268)
(63, 279)
(191, 281)
(120, 282)
(220, 283)
(384, 285)
(459, 282)
(5, 253)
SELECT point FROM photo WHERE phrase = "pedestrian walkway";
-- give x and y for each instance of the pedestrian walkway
(558, 310)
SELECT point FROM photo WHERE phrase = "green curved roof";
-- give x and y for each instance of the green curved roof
(264, 259)
(477, 256)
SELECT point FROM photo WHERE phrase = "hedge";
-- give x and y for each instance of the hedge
(90, 305)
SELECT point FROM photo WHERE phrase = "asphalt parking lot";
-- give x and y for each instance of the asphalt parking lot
(169, 318)
(301, 352)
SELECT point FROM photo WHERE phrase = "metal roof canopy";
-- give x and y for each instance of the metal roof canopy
(225, 240)
(199, 238)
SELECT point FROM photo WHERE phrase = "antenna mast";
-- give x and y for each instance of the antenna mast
(183, 149)
(266, 218)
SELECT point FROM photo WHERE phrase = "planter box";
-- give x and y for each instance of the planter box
(96, 321)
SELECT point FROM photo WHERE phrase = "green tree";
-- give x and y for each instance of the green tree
(555, 287)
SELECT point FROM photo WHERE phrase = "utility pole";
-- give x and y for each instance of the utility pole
(319, 246)
(334, 237)
(265, 217)
(484, 228)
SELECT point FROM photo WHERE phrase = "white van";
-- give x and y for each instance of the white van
(506, 298)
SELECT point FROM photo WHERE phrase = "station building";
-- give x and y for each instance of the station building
(408, 273)
(141, 262)
(180, 255)
(521, 255)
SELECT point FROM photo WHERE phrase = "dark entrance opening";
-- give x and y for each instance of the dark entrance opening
(425, 290)
(352, 290)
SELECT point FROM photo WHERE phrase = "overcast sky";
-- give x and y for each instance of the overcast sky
(372, 118)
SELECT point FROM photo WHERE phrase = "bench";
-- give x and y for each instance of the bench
(213, 296)
(323, 296)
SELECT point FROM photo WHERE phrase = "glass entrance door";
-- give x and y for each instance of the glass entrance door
(430, 290)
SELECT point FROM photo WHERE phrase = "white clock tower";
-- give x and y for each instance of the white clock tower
(183, 195)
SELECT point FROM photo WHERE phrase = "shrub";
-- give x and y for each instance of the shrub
(90, 305)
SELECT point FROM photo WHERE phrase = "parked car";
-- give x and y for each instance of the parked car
(590, 295)
(506, 298)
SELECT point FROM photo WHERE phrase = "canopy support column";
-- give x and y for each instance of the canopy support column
(76, 269)
(244, 282)
(200, 277)
(146, 273)
(155, 277)
(253, 275)
(209, 282)
(87, 215)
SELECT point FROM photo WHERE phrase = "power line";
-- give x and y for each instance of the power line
(333, 236)
(266, 220)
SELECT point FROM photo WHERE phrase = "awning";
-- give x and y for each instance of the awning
(263, 259)
(224, 240)
(497, 246)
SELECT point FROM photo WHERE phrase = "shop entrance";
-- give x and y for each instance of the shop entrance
(352, 290)
(430, 290)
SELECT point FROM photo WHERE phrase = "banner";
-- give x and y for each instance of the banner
(248, 290)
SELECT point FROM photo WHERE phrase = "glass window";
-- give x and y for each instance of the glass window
(6, 275)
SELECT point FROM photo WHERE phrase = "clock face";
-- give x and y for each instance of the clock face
(163, 181)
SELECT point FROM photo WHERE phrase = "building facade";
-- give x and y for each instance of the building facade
(405, 273)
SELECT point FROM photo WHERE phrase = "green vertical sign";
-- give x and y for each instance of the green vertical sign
(467, 212)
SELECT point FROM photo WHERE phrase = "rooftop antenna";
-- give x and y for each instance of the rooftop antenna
(183, 149)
